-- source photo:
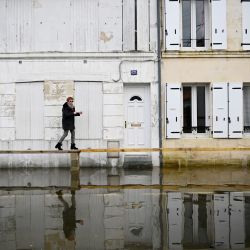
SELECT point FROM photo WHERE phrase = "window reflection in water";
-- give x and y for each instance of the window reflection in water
(125, 219)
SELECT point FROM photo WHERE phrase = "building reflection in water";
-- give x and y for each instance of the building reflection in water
(125, 218)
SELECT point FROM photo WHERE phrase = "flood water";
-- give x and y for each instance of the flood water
(169, 208)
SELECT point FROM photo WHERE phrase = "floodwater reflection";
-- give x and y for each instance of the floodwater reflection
(123, 218)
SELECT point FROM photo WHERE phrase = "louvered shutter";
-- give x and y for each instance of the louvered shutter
(219, 24)
(245, 25)
(220, 110)
(172, 24)
(235, 116)
(173, 110)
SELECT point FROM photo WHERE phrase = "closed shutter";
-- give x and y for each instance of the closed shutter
(245, 25)
(237, 220)
(221, 221)
(175, 211)
(29, 110)
(235, 117)
(173, 110)
(89, 100)
(220, 110)
(110, 25)
(172, 24)
(246, 98)
(219, 24)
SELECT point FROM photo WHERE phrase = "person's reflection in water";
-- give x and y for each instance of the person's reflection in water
(69, 216)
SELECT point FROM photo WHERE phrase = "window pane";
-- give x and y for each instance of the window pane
(187, 110)
(246, 99)
(200, 23)
(201, 110)
(186, 23)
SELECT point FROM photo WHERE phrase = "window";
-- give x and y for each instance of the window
(194, 23)
(195, 109)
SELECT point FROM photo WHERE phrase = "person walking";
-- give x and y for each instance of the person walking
(68, 123)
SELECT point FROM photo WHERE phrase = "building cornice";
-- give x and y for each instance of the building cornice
(206, 54)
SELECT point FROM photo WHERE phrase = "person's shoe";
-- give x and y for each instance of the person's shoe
(73, 146)
(59, 146)
(59, 193)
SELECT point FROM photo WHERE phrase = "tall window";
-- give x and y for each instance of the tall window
(195, 108)
(194, 23)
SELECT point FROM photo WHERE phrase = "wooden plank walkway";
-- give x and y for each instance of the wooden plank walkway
(107, 150)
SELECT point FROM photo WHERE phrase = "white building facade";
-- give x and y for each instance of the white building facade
(101, 52)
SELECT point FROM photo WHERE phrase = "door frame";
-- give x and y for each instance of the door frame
(147, 86)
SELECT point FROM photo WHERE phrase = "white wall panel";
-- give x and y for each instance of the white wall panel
(143, 25)
(3, 26)
(89, 100)
(110, 25)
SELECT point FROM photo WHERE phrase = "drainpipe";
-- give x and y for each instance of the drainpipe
(159, 72)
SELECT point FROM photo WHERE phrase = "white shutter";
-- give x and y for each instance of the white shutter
(219, 24)
(235, 116)
(110, 25)
(221, 221)
(245, 25)
(37, 111)
(88, 99)
(175, 212)
(237, 221)
(22, 111)
(172, 24)
(220, 110)
(173, 110)
(29, 110)
(142, 25)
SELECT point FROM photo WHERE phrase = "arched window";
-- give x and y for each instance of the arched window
(135, 97)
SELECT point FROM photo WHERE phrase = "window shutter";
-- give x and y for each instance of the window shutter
(175, 210)
(220, 110)
(221, 221)
(89, 100)
(173, 108)
(237, 220)
(219, 24)
(245, 25)
(235, 117)
(172, 24)
(29, 110)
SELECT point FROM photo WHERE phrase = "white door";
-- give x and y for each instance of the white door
(137, 116)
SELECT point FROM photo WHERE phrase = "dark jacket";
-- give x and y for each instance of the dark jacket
(68, 117)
